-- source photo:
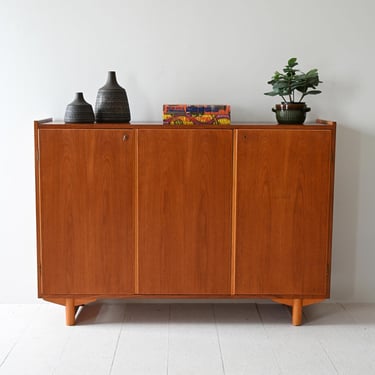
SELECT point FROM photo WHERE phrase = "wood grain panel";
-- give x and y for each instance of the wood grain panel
(185, 186)
(284, 206)
(87, 208)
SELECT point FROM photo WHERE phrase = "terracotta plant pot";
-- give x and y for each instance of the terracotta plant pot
(291, 113)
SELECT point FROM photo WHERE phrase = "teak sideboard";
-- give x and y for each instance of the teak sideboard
(153, 211)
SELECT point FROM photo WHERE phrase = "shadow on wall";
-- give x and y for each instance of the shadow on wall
(345, 218)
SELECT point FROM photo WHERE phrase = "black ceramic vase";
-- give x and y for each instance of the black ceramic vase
(112, 102)
(79, 111)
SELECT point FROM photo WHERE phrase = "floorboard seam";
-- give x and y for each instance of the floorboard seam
(8, 354)
(118, 341)
(218, 338)
(268, 339)
(328, 356)
(19, 337)
(168, 340)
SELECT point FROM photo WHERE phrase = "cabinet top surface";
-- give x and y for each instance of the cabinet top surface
(49, 124)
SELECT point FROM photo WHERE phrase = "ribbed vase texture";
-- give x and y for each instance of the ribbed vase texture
(79, 111)
(290, 116)
(112, 102)
(291, 113)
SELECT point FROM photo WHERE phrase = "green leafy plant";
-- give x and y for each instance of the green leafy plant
(291, 80)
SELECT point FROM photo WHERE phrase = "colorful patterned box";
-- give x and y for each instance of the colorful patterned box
(193, 114)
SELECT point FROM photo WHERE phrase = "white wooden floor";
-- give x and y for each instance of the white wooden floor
(204, 339)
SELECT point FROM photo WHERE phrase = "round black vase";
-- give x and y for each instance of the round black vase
(112, 102)
(79, 111)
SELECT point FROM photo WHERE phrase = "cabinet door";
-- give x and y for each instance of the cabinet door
(86, 211)
(185, 184)
(284, 205)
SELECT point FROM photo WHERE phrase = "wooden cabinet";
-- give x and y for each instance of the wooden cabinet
(135, 211)
(86, 209)
(184, 195)
(283, 212)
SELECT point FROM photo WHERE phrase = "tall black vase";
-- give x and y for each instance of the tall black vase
(112, 102)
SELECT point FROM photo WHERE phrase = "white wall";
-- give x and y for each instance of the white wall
(196, 51)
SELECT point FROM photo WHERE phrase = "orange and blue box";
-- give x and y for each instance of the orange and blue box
(193, 114)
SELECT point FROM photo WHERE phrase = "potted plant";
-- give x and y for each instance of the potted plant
(289, 85)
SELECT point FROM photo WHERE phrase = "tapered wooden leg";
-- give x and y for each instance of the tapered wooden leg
(297, 312)
(71, 306)
(297, 304)
(70, 311)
